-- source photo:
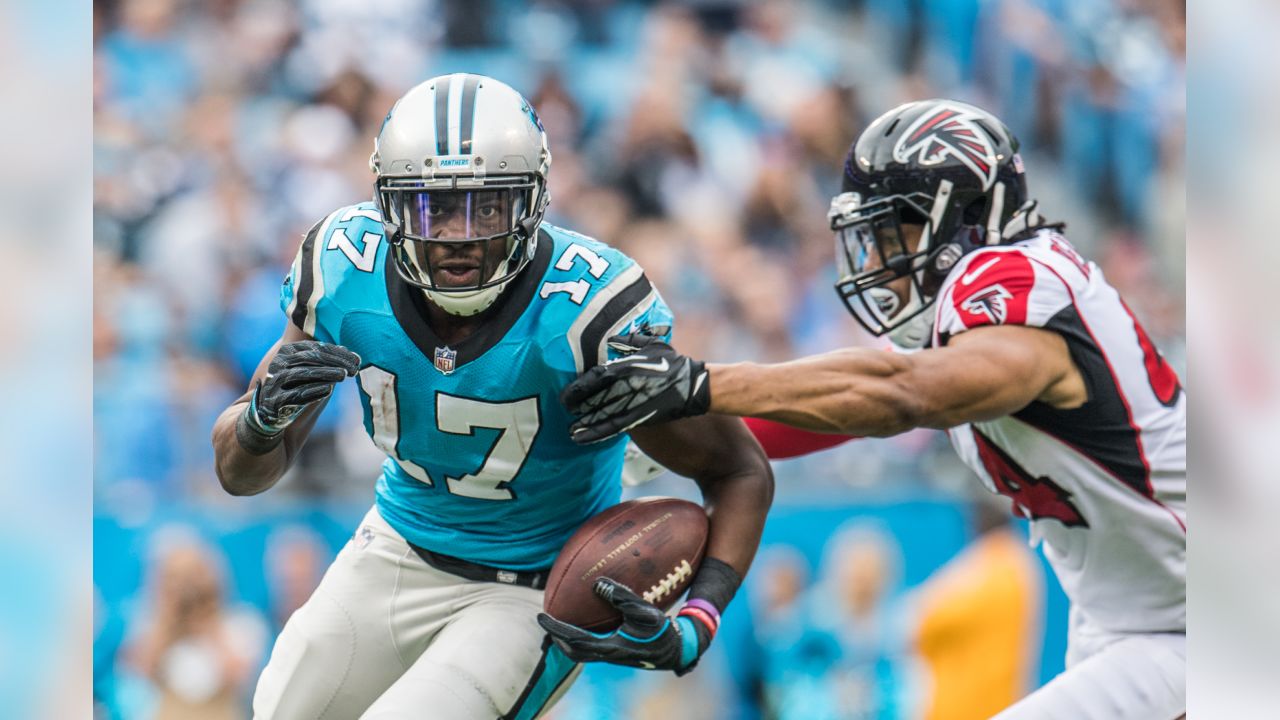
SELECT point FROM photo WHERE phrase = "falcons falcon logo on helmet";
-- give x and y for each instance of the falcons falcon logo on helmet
(949, 131)
(990, 302)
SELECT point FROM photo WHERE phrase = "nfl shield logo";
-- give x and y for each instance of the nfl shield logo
(444, 359)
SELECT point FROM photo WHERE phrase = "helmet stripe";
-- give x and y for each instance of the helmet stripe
(442, 115)
(919, 133)
(455, 110)
(468, 113)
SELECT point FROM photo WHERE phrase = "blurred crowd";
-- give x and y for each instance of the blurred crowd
(702, 137)
(858, 643)
(932, 609)
(185, 644)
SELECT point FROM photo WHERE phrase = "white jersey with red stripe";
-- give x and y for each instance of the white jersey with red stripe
(1104, 485)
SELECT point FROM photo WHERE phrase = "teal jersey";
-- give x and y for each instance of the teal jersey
(479, 461)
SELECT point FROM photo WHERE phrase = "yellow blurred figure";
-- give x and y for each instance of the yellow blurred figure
(980, 623)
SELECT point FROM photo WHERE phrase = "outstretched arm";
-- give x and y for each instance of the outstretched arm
(982, 374)
(257, 438)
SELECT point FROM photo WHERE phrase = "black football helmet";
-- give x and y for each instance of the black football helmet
(944, 165)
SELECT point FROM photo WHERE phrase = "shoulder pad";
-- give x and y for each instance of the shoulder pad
(605, 292)
(999, 286)
(339, 265)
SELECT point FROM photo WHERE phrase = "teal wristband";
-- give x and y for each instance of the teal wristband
(688, 641)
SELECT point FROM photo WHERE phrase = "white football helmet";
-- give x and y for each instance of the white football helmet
(461, 160)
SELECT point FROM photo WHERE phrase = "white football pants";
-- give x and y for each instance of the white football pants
(386, 635)
(1112, 676)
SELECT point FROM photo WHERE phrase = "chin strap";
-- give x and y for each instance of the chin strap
(470, 302)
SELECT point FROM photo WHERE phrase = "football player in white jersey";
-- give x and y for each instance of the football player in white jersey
(1048, 386)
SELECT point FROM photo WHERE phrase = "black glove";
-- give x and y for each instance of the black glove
(300, 374)
(650, 383)
(647, 639)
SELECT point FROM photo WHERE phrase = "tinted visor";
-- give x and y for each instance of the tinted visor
(458, 215)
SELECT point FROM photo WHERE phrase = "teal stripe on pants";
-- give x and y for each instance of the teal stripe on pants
(552, 671)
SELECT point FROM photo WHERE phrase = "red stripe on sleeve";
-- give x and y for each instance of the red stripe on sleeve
(783, 441)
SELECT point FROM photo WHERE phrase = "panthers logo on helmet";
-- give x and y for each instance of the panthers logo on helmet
(949, 131)
(533, 115)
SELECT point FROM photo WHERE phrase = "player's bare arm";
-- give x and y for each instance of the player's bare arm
(250, 455)
(981, 375)
(732, 471)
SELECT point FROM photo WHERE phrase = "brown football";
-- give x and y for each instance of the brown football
(651, 545)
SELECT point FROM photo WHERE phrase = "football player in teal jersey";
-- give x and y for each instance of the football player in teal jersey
(463, 315)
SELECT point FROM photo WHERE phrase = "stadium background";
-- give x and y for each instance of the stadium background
(703, 138)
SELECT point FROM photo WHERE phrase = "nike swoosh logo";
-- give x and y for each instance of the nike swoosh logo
(626, 358)
(660, 367)
(656, 367)
(972, 275)
(648, 665)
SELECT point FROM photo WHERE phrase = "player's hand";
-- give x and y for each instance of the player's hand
(300, 374)
(647, 639)
(650, 383)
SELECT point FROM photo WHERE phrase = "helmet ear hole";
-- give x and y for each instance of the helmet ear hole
(946, 258)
